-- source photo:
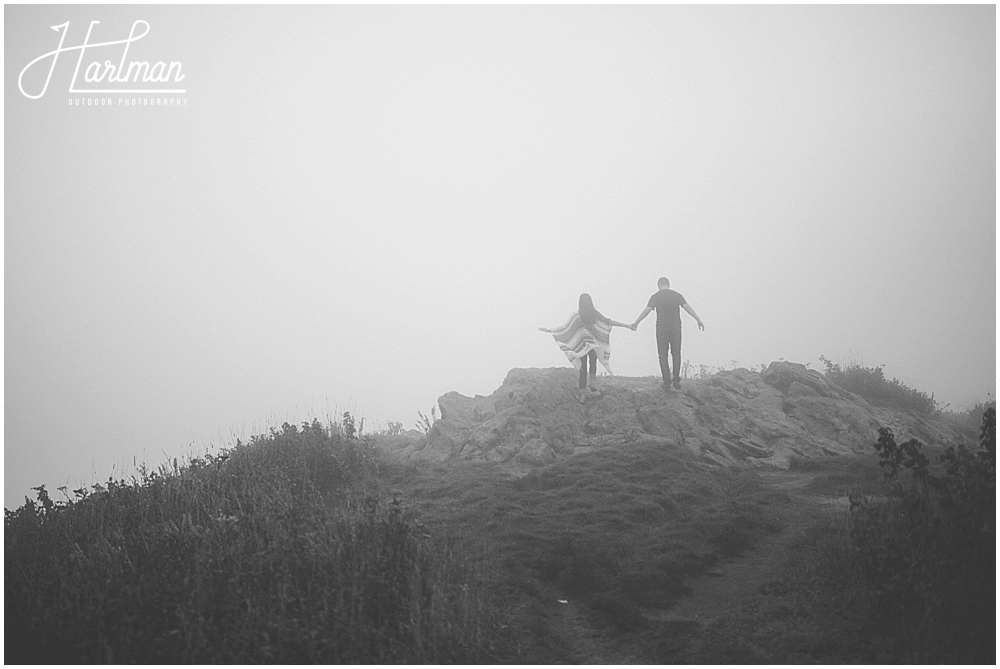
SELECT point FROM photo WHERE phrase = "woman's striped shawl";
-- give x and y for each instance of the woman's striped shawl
(577, 340)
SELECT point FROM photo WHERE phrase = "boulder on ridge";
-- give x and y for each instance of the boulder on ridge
(733, 418)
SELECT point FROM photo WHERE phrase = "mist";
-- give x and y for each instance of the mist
(360, 208)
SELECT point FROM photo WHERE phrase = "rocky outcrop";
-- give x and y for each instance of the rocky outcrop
(738, 417)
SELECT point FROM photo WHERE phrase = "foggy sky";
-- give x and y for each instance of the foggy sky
(362, 208)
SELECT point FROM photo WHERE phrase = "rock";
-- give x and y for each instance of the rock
(734, 418)
(536, 452)
(784, 375)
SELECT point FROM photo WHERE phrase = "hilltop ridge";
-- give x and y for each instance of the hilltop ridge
(738, 418)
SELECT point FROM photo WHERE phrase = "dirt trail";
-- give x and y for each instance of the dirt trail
(729, 585)
(590, 644)
(727, 590)
(735, 579)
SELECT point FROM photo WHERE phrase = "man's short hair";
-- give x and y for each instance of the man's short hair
(663, 281)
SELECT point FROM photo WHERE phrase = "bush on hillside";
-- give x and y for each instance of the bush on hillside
(871, 384)
(277, 550)
(929, 551)
(967, 422)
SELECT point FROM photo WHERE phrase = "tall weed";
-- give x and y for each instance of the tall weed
(277, 550)
(871, 384)
(928, 550)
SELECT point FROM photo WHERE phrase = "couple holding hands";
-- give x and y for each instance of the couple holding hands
(587, 335)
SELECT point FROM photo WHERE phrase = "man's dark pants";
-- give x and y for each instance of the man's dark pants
(668, 344)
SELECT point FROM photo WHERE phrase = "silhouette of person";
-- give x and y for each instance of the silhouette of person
(586, 339)
(668, 303)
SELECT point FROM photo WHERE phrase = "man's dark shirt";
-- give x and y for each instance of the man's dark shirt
(667, 304)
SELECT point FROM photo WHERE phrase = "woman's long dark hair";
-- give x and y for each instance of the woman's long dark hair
(588, 314)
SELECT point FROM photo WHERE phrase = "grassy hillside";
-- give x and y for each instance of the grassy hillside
(615, 538)
(279, 550)
(310, 545)
(306, 545)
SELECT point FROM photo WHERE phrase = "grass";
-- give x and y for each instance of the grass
(308, 545)
(871, 384)
(928, 550)
(279, 550)
(618, 530)
(905, 574)
(807, 612)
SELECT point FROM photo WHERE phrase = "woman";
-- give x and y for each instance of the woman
(587, 337)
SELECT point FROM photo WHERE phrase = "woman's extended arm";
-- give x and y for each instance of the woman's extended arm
(621, 325)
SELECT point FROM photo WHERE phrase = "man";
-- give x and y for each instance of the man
(668, 327)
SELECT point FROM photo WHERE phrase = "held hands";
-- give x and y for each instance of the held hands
(545, 329)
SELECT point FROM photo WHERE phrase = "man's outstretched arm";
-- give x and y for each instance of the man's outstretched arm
(687, 307)
(645, 312)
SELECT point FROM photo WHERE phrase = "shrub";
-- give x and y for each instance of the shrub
(967, 423)
(278, 550)
(871, 384)
(929, 550)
